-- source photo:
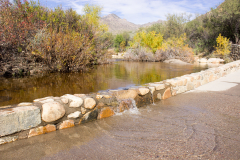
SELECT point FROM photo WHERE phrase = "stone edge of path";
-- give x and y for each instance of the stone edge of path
(49, 114)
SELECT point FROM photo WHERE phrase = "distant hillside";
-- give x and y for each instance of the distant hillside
(116, 24)
(151, 23)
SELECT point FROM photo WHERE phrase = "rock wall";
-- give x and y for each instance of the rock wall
(49, 114)
(235, 51)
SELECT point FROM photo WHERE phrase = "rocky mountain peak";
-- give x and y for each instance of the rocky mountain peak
(111, 16)
(117, 24)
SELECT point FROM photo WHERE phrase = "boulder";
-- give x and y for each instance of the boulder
(99, 96)
(5, 140)
(215, 60)
(47, 100)
(36, 131)
(125, 94)
(106, 112)
(89, 103)
(80, 95)
(66, 124)
(176, 61)
(167, 94)
(20, 118)
(24, 104)
(143, 91)
(64, 100)
(89, 116)
(41, 130)
(75, 101)
(74, 115)
(203, 60)
(52, 111)
(158, 86)
(50, 128)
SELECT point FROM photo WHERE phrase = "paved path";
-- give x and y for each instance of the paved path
(200, 124)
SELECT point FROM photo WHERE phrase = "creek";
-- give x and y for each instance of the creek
(118, 75)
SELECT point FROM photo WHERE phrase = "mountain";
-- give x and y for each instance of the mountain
(151, 23)
(116, 24)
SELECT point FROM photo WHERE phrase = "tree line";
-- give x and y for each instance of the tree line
(208, 34)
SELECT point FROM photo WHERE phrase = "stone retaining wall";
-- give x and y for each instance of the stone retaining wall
(49, 114)
(235, 51)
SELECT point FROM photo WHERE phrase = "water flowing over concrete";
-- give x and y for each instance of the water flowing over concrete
(201, 124)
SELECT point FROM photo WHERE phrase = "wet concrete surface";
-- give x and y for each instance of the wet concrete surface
(196, 125)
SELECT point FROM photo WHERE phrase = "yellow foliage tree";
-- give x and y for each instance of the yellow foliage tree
(223, 46)
(92, 14)
(177, 42)
(123, 46)
(150, 40)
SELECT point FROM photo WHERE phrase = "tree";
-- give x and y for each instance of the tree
(158, 28)
(149, 40)
(226, 19)
(126, 37)
(223, 46)
(118, 40)
(92, 14)
(175, 25)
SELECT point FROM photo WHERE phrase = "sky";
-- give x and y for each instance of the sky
(139, 11)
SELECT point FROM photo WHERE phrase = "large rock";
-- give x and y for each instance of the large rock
(5, 140)
(143, 91)
(75, 101)
(176, 61)
(203, 60)
(36, 131)
(90, 116)
(215, 60)
(41, 130)
(19, 118)
(50, 128)
(44, 100)
(64, 100)
(47, 100)
(158, 86)
(74, 115)
(66, 124)
(167, 94)
(89, 103)
(52, 111)
(24, 104)
(106, 112)
(126, 94)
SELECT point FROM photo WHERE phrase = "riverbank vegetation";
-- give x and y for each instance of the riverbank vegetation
(34, 38)
(60, 40)
(208, 35)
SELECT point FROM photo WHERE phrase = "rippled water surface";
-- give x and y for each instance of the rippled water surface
(104, 77)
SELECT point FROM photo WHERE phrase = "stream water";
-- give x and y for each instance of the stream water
(120, 74)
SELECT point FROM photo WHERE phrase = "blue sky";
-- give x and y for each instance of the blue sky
(139, 11)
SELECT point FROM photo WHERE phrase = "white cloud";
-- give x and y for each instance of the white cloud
(143, 11)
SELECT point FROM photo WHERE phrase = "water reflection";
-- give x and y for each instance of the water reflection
(110, 76)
